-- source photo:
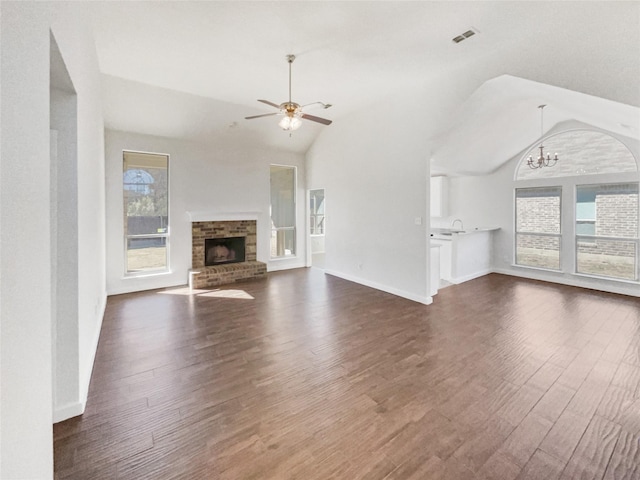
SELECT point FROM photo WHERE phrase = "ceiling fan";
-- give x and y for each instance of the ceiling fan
(292, 112)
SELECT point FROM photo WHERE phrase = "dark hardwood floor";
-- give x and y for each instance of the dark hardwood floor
(307, 376)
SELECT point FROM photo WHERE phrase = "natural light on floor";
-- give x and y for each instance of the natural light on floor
(218, 293)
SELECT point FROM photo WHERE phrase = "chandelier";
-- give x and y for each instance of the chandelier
(542, 161)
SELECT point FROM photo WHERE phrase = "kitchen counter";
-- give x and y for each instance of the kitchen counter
(448, 233)
(464, 254)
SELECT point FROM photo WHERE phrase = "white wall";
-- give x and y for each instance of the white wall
(25, 234)
(373, 166)
(64, 254)
(488, 200)
(75, 41)
(223, 176)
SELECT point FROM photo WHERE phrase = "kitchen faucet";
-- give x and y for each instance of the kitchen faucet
(457, 220)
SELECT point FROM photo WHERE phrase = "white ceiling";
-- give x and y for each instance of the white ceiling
(213, 60)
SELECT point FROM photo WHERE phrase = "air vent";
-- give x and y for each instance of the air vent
(469, 33)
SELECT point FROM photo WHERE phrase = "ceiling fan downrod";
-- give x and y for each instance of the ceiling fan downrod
(290, 59)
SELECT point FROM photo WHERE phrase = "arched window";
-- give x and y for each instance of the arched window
(580, 216)
(581, 152)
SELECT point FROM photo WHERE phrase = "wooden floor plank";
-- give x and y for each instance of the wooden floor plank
(554, 402)
(592, 455)
(542, 466)
(564, 436)
(614, 404)
(525, 439)
(304, 375)
(625, 461)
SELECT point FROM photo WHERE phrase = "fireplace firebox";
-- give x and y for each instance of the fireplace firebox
(218, 251)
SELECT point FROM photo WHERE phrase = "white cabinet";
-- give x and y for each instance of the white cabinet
(445, 257)
(439, 196)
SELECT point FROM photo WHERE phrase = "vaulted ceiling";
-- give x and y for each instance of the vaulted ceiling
(500, 120)
(194, 69)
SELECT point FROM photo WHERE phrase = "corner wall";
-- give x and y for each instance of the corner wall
(374, 167)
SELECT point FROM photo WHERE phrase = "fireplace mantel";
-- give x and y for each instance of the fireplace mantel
(207, 216)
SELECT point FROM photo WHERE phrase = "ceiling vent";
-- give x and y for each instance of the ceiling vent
(469, 33)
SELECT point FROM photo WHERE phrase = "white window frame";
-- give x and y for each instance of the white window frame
(293, 227)
(166, 235)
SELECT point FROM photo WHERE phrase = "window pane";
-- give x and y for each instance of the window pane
(538, 251)
(538, 210)
(585, 228)
(319, 225)
(283, 211)
(607, 258)
(146, 205)
(145, 194)
(283, 242)
(316, 207)
(615, 214)
(615, 208)
(144, 253)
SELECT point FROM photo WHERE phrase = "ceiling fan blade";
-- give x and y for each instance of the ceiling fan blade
(263, 115)
(313, 118)
(270, 103)
(324, 105)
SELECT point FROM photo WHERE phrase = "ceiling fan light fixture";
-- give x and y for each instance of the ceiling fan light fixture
(290, 123)
(292, 111)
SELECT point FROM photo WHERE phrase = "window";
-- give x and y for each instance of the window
(581, 152)
(598, 177)
(607, 230)
(283, 211)
(316, 207)
(538, 230)
(146, 205)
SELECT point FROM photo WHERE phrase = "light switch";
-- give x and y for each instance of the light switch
(417, 221)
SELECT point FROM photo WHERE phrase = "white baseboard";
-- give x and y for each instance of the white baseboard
(471, 276)
(385, 288)
(149, 282)
(622, 288)
(69, 410)
(84, 386)
(74, 409)
(277, 265)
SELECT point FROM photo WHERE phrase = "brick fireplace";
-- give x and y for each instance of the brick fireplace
(203, 276)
